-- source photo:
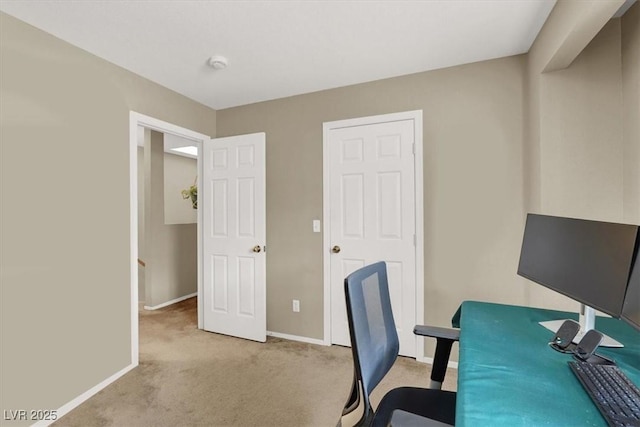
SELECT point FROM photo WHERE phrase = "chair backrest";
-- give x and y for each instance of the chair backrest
(374, 339)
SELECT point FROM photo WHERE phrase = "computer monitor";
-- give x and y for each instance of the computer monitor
(631, 306)
(588, 261)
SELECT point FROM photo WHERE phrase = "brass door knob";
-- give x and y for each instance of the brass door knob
(257, 248)
(335, 249)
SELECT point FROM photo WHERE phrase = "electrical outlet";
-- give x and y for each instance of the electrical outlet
(296, 306)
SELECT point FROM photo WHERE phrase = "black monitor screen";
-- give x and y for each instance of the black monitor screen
(588, 261)
(631, 307)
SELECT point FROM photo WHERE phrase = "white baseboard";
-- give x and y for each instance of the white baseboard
(295, 338)
(173, 301)
(429, 360)
(68, 407)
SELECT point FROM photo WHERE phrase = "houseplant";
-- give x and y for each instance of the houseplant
(191, 193)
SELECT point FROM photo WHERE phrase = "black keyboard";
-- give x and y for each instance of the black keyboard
(615, 396)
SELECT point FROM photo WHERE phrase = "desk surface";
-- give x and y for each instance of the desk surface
(508, 375)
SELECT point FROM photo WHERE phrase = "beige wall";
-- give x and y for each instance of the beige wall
(175, 270)
(171, 249)
(180, 173)
(581, 133)
(472, 185)
(631, 109)
(579, 153)
(65, 258)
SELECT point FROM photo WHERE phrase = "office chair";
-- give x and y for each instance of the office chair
(375, 345)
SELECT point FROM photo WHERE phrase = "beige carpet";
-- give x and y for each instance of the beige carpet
(188, 377)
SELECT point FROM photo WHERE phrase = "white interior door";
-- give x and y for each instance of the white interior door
(372, 217)
(234, 236)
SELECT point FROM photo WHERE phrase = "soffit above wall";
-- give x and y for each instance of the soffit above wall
(170, 141)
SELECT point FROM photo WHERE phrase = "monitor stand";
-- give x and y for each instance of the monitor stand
(587, 322)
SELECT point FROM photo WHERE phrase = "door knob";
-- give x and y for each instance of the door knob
(335, 249)
(257, 248)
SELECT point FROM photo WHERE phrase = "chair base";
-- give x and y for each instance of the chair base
(436, 405)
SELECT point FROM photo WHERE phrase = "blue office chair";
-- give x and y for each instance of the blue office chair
(375, 345)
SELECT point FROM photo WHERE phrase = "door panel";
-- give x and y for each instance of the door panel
(372, 217)
(218, 273)
(234, 236)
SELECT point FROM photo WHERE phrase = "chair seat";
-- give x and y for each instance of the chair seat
(436, 405)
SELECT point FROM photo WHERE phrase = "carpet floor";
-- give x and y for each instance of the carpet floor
(188, 377)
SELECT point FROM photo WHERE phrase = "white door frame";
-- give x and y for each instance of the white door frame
(135, 120)
(416, 116)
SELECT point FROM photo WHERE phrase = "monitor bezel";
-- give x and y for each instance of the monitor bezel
(594, 304)
(635, 269)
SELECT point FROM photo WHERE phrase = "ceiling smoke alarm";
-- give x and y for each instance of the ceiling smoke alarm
(218, 62)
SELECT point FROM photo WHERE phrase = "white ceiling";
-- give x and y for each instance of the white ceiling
(284, 48)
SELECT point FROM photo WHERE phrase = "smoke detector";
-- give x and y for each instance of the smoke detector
(218, 62)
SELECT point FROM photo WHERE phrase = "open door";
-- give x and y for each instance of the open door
(234, 236)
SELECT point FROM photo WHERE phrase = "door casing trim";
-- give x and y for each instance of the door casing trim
(416, 117)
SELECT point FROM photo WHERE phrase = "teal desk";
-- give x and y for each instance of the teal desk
(508, 375)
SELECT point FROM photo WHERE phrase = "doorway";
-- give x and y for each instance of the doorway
(137, 120)
(373, 192)
(249, 153)
(167, 222)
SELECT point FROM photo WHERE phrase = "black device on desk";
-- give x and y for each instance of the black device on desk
(588, 261)
(613, 393)
(562, 341)
(595, 263)
(585, 350)
(631, 305)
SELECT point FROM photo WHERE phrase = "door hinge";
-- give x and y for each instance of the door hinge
(415, 240)
(413, 148)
